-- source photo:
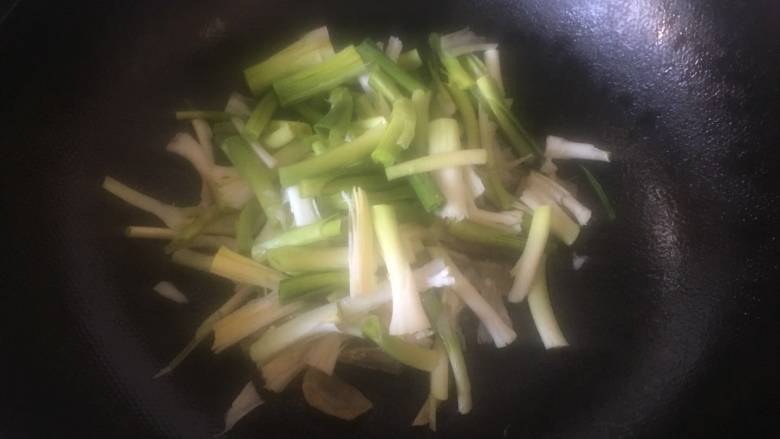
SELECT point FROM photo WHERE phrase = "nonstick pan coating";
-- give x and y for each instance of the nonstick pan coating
(671, 321)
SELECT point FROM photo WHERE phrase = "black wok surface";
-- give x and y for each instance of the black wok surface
(672, 320)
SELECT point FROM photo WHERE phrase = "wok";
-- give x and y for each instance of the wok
(671, 321)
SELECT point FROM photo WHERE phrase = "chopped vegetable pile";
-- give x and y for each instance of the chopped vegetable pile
(361, 200)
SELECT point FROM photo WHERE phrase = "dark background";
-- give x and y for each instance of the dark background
(672, 321)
